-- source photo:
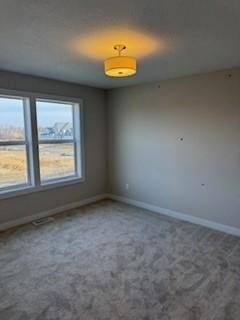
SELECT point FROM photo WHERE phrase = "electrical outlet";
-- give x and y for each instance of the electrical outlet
(126, 186)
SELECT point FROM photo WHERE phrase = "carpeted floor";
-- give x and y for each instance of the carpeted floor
(110, 261)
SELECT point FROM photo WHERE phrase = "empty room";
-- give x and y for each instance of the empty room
(120, 160)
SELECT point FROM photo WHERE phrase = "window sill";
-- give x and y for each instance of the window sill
(17, 192)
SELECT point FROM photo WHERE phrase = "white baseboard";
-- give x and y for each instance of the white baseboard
(178, 215)
(140, 204)
(51, 212)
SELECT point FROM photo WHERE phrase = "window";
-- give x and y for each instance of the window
(40, 142)
(57, 140)
(13, 143)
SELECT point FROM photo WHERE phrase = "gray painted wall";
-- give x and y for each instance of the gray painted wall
(95, 147)
(146, 124)
(145, 150)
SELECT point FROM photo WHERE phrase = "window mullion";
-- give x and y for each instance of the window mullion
(33, 142)
(52, 141)
(78, 142)
(12, 143)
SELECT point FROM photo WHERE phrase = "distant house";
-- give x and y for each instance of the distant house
(47, 133)
(60, 130)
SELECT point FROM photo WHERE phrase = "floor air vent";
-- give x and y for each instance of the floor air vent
(42, 221)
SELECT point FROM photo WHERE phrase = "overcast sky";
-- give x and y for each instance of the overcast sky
(48, 113)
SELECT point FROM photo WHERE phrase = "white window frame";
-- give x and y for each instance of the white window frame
(31, 142)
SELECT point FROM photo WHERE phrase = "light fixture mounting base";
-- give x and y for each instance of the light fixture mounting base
(119, 48)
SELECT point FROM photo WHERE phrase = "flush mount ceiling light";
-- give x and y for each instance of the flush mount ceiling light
(120, 66)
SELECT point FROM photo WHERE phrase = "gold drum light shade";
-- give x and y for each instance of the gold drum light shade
(120, 66)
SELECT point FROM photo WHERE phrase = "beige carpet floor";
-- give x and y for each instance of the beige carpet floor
(110, 261)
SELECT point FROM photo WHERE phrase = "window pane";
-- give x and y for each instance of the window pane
(56, 161)
(11, 119)
(13, 166)
(55, 120)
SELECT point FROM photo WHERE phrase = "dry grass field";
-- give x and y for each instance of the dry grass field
(12, 166)
(56, 160)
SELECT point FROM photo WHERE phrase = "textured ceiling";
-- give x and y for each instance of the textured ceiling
(69, 39)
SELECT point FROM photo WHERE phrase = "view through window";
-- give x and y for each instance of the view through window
(56, 139)
(13, 153)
